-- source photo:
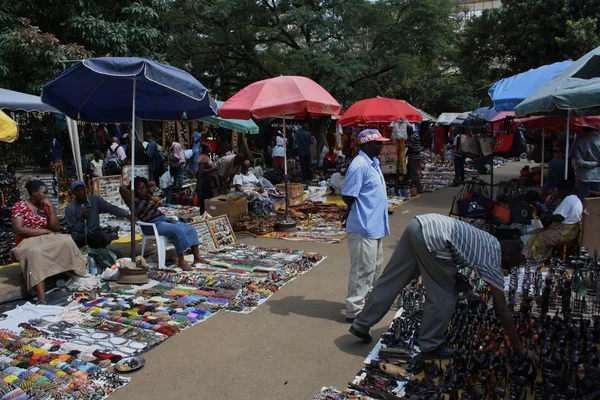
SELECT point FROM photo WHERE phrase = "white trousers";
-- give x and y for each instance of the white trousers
(366, 258)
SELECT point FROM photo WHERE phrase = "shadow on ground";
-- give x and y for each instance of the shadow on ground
(350, 344)
(330, 310)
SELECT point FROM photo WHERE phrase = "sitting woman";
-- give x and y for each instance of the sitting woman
(248, 183)
(146, 210)
(565, 224)
(41, 251)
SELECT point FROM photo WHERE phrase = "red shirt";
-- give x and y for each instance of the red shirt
(331, 156)
(33, 220)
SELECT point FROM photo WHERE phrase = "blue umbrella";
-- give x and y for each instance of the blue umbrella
(486, 113)
(507, 93)
(121, 89)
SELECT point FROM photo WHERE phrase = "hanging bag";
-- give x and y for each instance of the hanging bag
(501, 208)
(487, 146)
(476, 199)
(469, 146)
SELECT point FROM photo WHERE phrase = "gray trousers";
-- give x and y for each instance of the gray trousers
(366, 259)
(411, 259)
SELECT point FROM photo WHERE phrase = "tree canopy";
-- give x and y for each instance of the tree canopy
(417, 50)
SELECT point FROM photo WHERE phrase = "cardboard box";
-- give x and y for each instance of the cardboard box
(233, 209)
(294, 189)
(590, 233)
(294, 201)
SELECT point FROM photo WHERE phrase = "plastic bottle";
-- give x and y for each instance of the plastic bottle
(92, 266)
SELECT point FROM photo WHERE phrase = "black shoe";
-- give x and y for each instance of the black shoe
(440, 353)
(365, 337)
(349, 320)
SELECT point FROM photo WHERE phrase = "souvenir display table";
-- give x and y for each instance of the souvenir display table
(316, 222)
(555, 309)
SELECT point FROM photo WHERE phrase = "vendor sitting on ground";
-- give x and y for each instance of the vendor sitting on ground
(330, 159)
(40, 249)
(248, 183)
(83, 217)
(146, 210)
(565, 224)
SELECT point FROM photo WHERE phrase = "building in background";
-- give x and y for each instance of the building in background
(475, 7)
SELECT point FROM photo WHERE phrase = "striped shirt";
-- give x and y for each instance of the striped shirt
(414, 146)
(146, 210)
(450, 239)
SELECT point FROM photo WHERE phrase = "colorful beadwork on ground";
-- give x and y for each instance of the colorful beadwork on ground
(51, 352)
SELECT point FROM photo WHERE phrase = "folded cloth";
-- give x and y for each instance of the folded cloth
(48, 255)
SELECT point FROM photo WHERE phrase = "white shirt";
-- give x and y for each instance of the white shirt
(245, 180)
(118, 150)
(165, 180)
(571, 209)
(97, 167)
(279, 149)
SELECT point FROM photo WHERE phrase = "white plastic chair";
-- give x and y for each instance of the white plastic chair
(161, 243)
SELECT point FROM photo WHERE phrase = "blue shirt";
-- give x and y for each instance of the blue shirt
(303, 139)
(197, 137)
(369, 213)
(556, 173)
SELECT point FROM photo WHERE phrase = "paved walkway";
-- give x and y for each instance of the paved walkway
(290, 346)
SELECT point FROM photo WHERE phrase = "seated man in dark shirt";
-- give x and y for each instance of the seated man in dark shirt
(83, 217)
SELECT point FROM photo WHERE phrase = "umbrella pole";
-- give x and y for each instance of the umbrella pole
(567, 144)
(132, 205)
(543, 151)
(287, 224)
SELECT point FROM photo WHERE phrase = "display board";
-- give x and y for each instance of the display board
(51, 183)
(214, 233)
(221, 231)
(108, 188)
(140, 170)
(207, 242)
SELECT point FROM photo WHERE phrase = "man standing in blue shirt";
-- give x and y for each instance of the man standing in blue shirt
(303, 142)
(366, 219)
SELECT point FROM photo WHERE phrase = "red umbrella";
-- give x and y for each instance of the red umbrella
(379, 109)
(284, 95)
(552, 123)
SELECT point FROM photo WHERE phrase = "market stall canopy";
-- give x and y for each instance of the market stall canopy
(240, 125)
(379, 109)
(576, 89)
(17, 101)
(281, 96)
(507, 93)
(102, 89)
(556, 124)
(426, 116)
(460, 118)
(447, 118)
(9, 130)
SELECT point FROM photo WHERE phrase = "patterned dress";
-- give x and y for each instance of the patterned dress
(33, 220)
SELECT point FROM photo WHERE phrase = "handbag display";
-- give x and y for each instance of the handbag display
(504, 143)
(487, 146)
(469, 146)
(512, 206)
(473, 201)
